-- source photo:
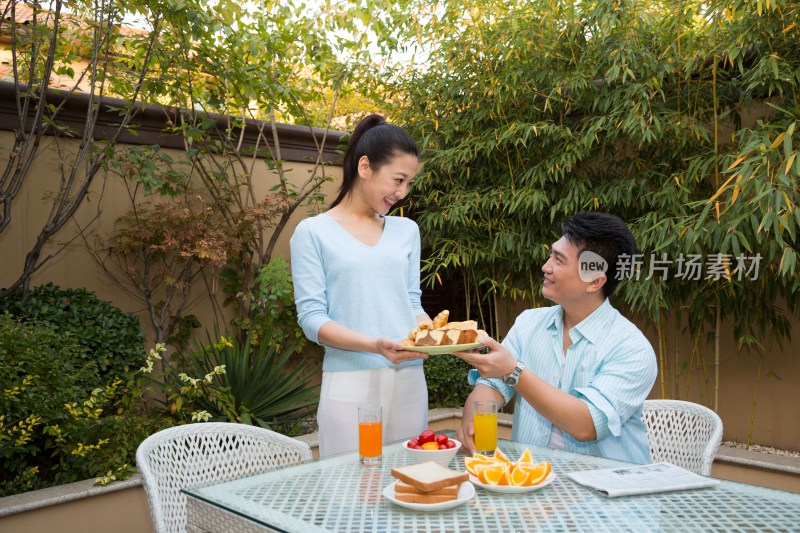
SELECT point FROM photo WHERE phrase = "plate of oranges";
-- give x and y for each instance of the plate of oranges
(498, 473)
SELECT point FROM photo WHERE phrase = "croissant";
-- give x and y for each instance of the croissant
(441, 319)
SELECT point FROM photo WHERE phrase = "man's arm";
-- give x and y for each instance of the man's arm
(566, 412)
(466, 431)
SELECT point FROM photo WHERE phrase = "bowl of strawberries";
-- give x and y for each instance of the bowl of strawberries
(432, 446)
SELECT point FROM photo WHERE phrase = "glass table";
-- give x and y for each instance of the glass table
(340, 495)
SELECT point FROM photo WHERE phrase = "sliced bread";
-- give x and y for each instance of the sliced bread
(429, 476)
(403, 487)
(424, 498)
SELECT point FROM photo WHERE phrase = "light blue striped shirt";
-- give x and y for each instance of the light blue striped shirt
(370, 289)
(610, 365)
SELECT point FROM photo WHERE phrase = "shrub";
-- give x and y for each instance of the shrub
(272, 317)
(60, 420)
(447, 381)
(113, 340)
(258, 385)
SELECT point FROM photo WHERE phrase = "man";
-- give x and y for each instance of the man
(580, 370)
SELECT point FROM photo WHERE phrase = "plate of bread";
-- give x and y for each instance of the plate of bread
(429, 486)
(440, 336)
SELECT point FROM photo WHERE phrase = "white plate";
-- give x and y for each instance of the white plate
(445, 349)
(465, 493)
(510, 489)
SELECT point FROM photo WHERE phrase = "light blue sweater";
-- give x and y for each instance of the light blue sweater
(370, 289)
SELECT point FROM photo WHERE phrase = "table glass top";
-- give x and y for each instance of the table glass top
(340, 495)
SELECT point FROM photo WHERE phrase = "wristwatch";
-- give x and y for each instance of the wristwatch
(513, 378)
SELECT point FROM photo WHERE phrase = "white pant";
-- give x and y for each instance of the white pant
(401, 392)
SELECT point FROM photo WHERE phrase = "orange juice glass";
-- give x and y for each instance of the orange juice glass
(485, 423)
(370, 435)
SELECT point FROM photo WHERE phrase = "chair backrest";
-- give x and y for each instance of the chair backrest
(685, 434)
(192, 454)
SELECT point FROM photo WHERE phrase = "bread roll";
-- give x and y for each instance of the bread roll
(441, 319)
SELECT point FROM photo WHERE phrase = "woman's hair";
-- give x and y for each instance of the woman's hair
(380, 142)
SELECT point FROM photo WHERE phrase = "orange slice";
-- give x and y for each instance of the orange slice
(519, 477)
(491, 474)
(471, 463)
(506, 478)
(526, 456)
(499, 455)
(538, 472)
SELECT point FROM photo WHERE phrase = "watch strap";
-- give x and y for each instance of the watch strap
(513, 378)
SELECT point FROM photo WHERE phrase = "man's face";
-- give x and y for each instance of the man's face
(562, 282)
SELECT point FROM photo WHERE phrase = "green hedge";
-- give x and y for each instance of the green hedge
(447, 381)
(112, 340)
(70, 405)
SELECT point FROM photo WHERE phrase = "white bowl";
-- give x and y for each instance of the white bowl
(443, 457)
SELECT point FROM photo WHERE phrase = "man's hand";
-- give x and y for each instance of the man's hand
(466, 431)
(466, 434)
(497, 363)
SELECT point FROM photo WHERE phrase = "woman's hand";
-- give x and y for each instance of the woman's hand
(394, 351)
(497, 363)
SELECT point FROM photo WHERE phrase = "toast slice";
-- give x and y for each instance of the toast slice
(429, 476)
(424, 498)
(405, 488)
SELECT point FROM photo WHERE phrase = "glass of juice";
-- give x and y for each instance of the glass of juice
(370, 435)
(485, 422)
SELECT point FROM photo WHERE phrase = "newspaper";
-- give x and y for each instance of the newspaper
(641, 479)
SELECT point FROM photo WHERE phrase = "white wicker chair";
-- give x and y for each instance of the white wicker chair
(193, 454)
(685, 434)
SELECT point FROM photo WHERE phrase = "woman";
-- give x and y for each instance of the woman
(356, 283)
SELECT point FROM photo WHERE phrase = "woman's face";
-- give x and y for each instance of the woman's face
(388, 184)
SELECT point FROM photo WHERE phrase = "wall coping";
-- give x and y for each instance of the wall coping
(37, 499)
(768, 461)
(297, 143)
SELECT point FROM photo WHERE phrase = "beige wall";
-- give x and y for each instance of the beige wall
(74, 267)
(123, 511)
(776, 421)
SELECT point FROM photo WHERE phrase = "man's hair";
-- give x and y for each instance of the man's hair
(604, 234)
